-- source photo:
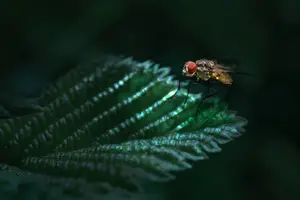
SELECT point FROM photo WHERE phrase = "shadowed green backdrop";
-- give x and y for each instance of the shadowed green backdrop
(41, 40)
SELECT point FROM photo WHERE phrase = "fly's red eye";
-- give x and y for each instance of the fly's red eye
(191, 67)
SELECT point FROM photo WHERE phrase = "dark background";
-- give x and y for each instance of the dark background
(40, 40)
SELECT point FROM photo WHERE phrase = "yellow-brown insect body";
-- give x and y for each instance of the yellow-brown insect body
(221, 75)
(205, 70)
(208, 69)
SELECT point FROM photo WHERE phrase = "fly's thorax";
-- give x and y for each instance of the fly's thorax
(205, 68)
(203, 75)
(205, 63)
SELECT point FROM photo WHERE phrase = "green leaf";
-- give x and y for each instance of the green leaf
(111, 123)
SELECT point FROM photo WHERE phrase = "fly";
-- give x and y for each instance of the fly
(205, 71)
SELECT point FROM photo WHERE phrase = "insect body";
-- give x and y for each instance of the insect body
(206, 70)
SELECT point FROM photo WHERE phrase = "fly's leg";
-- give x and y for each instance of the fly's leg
(187, 95)
(211, 94)
(227, 95)
(209, 88)
(178, 88)
(188, 91)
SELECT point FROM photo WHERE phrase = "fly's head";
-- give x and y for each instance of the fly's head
(189, 69)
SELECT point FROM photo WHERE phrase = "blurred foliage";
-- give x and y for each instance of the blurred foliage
(45, 38)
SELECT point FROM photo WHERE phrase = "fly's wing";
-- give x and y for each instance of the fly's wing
(232, 62)
(232, 70)
(223, 75)
(225, 69)
(229, 65)
(225, 78)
